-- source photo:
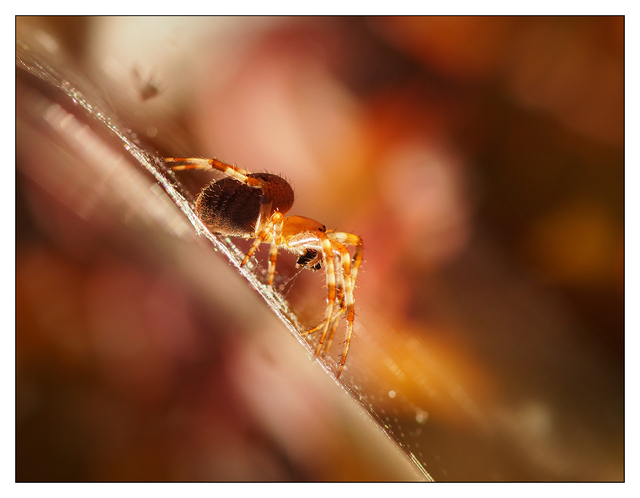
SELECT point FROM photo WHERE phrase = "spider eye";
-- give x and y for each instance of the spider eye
(323, 229)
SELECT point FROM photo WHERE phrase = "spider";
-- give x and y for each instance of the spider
(253, 205)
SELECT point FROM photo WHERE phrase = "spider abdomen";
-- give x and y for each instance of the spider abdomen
(230, 207)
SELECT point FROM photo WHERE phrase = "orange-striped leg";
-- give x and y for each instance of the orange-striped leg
(350, 239)
(334, 326)
(276, 221)
(205, 164)
(348, 301)
(344, 283)
(331, 289)
(345, 351)
(264, 236)
(334, 317)
(335, 321)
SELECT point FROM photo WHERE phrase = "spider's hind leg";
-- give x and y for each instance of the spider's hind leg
(184, 163)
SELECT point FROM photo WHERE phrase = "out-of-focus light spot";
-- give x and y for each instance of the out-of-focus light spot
(421, 416)
(425, 188)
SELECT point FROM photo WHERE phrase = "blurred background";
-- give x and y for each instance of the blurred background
(481, 160)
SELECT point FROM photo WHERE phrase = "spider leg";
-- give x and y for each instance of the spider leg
(274, 224)
(335, 320)
(330, 272)
(340, 280)
(339, 288)
(340, 303)
(264, 214)
(204, 163)
(350, 239)
(346, 277)
(276, 221)
(334, 326)
(335, 316)
(260, 238)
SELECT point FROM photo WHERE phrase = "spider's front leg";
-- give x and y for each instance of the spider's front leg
(307, 238)
(349, 274)
(330, 272)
